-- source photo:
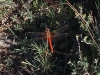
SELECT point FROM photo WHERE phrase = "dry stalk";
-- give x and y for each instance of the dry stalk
(84, 22)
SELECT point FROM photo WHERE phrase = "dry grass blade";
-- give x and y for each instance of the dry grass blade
(84, 22)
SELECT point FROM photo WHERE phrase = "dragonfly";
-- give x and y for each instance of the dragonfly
(50, 37)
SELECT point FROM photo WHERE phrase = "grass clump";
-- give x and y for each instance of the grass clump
(37, 58)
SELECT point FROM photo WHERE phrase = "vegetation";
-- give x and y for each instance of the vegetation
(77, 53)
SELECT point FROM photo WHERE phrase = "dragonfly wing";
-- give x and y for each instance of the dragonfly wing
(60, 30)
(32, 35)
(59, 37)
(36, 37)
(56, 35)
(42, 34)
(38, 41)
(41, 38)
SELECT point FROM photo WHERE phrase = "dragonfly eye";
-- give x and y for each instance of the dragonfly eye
(47, 29)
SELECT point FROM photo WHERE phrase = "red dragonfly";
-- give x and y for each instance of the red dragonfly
(50, 37)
